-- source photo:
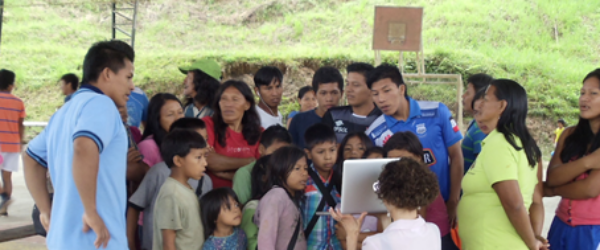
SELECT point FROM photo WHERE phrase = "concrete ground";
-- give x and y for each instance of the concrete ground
(20, 214)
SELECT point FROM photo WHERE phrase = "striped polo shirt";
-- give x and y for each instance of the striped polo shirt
(471, 145)
(12, 110)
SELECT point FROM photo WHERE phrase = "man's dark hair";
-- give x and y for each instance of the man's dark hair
(180, 142)
(404, 141)
(303, 91)
(7, 78)
(480, 81)
(188, 123)
(317, 134)
(386, 71)
(105, 54)
(71, 79)
(275, 133)
(327, 75)
(407, 184)
(265, 75)
(562, 122)
(205, 86)
(360, 67)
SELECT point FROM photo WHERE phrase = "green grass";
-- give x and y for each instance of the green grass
(507, 38)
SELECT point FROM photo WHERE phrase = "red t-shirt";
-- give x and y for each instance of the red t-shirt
(236, 147)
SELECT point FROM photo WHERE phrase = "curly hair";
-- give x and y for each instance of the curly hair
(407, 184)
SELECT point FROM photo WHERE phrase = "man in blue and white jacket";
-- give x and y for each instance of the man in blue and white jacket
(432, 122)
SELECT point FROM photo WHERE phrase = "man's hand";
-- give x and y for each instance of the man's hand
(45, 220)
(451, 209)
(94, 222)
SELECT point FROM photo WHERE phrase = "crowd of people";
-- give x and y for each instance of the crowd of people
(221, 171)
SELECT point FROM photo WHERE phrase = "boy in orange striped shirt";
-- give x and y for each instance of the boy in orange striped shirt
(12, 113)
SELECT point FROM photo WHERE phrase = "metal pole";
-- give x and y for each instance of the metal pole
(133, 24)
(1, 15)
(114, 20)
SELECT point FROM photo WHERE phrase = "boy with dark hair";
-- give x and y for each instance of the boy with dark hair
(432, 122)
(84, 147)
(361, 111)
(68, 85)
(144, 198)
(268, 85)
(328, 85)
(271, 139)
(176, 221)
(322, 188)
(12, 114)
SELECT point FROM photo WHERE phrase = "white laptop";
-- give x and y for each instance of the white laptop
(359, 183)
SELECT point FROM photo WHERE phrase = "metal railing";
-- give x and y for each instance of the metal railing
(35, 124)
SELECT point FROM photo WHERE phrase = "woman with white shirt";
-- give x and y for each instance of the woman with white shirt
(404, 187)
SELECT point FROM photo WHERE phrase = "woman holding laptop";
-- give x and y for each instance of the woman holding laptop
(404, 186)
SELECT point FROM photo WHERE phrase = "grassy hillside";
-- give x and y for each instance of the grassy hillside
(507, 38)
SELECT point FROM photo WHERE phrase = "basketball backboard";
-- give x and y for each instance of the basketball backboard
(398, 28)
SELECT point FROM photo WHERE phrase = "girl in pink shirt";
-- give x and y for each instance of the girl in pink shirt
(278, 213)
(574, 174)
(404, 187)
(163, 110)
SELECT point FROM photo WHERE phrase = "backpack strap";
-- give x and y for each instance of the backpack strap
(325, 191)
(199, 187)
(294, 238)
(327, 198)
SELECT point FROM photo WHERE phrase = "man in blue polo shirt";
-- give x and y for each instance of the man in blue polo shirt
(431, 121)
(84, 147)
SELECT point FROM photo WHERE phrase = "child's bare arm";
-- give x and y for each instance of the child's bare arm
(21, 129)
(132, 219)
(168, 239)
